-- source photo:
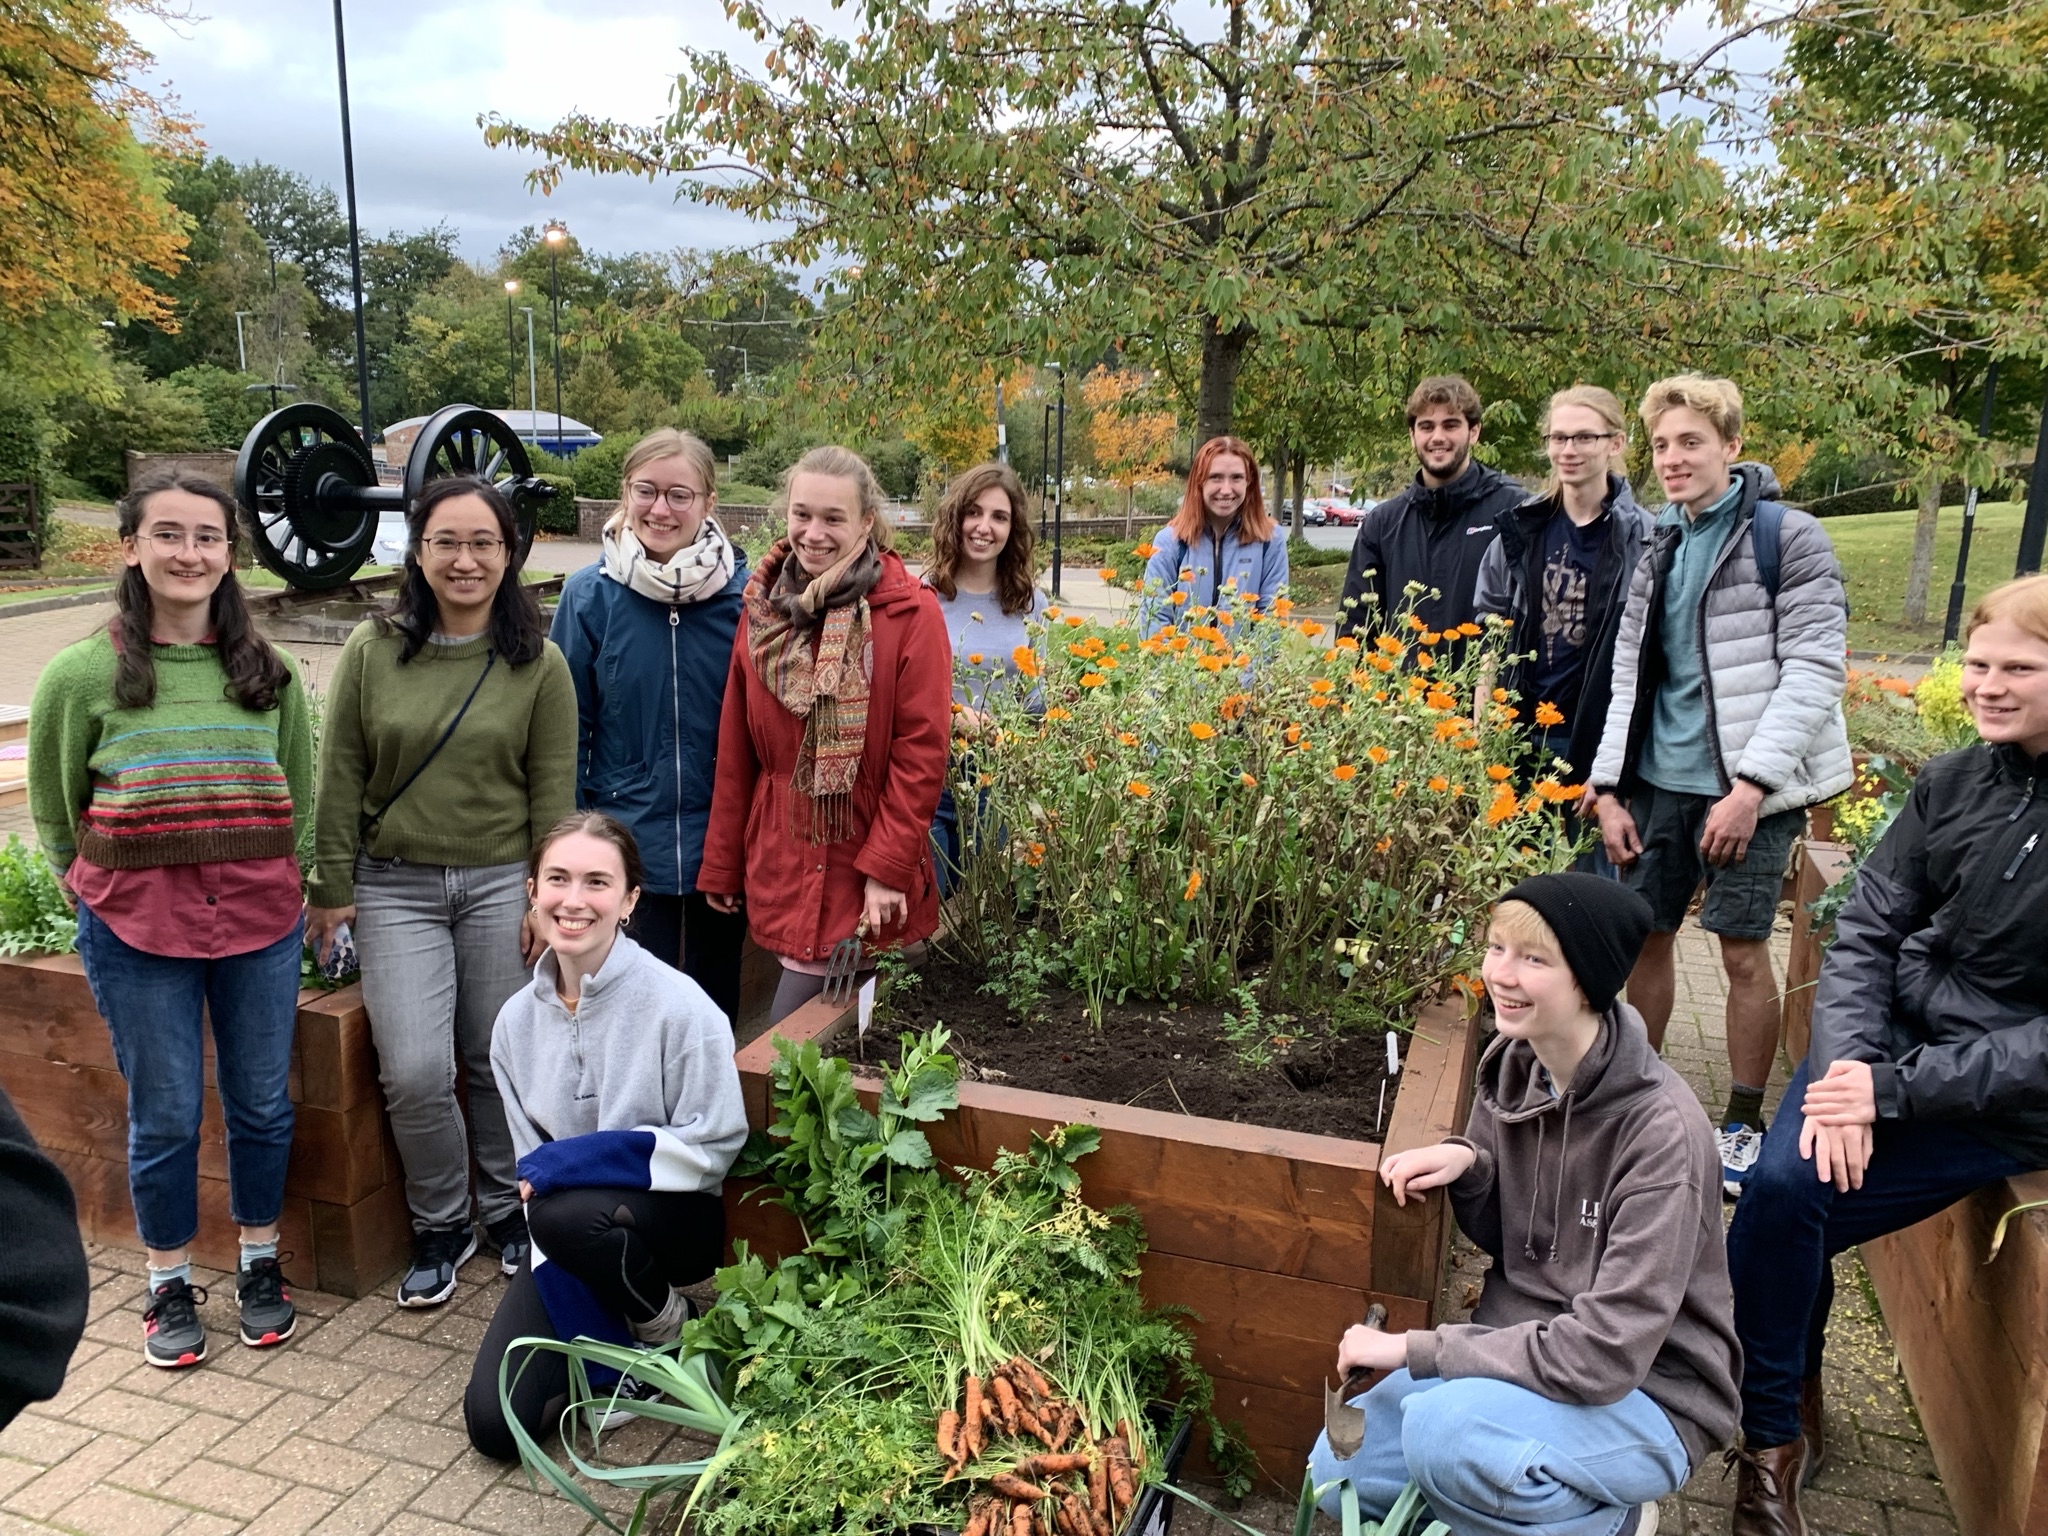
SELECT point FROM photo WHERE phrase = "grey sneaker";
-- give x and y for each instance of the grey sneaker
(1740, 1145)
(437, 1254)
(172, 1337)
(508, 1235)
(268, 1316)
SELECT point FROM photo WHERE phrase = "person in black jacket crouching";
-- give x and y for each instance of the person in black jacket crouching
(1928, 1073)
(44, 1284)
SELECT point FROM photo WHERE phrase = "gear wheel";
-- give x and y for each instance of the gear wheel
(318, 522)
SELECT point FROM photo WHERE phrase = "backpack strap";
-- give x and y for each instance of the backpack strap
(1766, 535)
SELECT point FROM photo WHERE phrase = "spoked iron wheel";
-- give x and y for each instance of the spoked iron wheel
(299, 480)
(462, 440)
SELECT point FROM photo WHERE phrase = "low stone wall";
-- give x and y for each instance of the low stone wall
(217, 467)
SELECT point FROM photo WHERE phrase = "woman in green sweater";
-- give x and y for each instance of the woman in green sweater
(170, 777)
(449, 746)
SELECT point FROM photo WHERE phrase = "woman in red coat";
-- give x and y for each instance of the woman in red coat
(833, 742)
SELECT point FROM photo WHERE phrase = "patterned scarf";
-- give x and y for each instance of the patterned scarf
(826, 686)
(698, 570)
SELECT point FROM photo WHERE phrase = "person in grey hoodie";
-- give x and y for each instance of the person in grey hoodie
(1600, 1367)
(619, 1085)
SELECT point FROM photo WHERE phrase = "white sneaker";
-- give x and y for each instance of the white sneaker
(1739, 1145)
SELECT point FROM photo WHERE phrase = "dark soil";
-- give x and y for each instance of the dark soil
(1153, 1055)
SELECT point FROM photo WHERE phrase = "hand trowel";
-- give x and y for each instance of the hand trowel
(1343, 1424)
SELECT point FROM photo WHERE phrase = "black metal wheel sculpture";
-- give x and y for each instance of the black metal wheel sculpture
(462, 440)
(303, 478)
(311, 499)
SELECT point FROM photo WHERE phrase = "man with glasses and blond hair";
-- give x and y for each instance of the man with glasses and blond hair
(1559, 573)
(1434, 532)
(1724, 725)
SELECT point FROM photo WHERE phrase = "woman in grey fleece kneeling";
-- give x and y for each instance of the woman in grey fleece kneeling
(619, 1085)
(1600, 1366)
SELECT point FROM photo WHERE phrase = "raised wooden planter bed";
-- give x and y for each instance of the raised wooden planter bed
(344, 1213)
(1816, 865)
(1277, 1241)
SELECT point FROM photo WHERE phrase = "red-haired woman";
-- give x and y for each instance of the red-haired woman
(1220, 535)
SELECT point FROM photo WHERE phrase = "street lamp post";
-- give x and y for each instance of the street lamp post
(532, 389)
(241, 347)
(1059, 483)
(1952, 626)
(511, 343)
(355, 241)
(555, 233)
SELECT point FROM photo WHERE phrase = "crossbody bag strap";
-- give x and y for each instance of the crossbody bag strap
(374, 819)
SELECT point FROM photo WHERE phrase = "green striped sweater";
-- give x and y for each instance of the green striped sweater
(195, 778)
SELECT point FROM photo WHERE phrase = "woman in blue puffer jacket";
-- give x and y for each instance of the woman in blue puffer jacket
(648, 635)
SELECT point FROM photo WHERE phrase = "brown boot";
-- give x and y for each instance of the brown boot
(1812, 1428)
(1767, 1490)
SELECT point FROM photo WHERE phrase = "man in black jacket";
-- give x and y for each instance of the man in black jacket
(1927, 1077)
(1436, 530)
(43, 1279)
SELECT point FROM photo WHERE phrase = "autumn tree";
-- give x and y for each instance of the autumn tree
(81, 206)
(1021, 179)
(1128, 435)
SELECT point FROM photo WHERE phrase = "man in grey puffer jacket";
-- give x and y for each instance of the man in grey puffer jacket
(1724, 724)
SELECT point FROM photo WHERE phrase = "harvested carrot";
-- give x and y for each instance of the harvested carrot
(1020, 1520)
(1098, 1489)
(949, 1437)
(1132, 1444)
(1013, 1487)
(1006, 1401)
(1032, 1421)
(1029, 1374)
(977, 1523)
(1045, 1525)
(1075, 1515)
(1069, 1421)
(1050, 1465)
(1121, 1489)
(971, 1416)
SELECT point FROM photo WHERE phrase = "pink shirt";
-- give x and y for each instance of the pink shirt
(193, 911)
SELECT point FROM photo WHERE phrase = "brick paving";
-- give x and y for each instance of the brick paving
(355, 1426)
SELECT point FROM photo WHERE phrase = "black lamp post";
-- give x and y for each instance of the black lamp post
(511, 343)
(355, 240)
(555, 233)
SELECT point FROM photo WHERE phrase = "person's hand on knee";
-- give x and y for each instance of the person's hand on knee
(1839, 1153)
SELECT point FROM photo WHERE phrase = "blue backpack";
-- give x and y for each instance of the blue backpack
(1766, 537)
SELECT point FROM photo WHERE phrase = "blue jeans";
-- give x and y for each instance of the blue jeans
(153, 1007)
(946, 840)
(1495, 1459)
(1790, 1225)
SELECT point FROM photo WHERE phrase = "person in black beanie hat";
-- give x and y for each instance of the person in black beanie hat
(1600, 1366)
(44, 1285)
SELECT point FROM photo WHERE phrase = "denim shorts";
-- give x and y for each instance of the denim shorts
(1742, 898)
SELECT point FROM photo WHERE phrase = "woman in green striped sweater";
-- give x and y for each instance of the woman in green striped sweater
(170, 776)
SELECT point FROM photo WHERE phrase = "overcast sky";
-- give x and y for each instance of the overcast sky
(259, 78)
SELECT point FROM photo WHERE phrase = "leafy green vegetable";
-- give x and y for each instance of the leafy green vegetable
(34, 916)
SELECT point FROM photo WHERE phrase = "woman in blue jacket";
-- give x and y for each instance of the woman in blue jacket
(1221, 534)
(648, 635)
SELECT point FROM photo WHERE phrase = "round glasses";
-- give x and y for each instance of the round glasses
(1579, 439)
(486, 546)
(679, 497)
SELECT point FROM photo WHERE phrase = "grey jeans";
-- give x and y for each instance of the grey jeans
(439, 946)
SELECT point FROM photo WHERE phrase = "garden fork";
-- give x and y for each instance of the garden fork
(843, 965)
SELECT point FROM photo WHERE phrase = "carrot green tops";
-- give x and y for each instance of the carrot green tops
(194, 778)
(506, 775)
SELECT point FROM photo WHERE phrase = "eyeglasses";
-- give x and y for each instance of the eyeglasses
(487, 546)
(1578, 439)
(171, 540)
(679, 497)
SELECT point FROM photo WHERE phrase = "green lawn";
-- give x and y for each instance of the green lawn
(1876, 548)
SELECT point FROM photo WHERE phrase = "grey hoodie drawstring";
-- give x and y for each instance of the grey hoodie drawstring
(1535, 1187)
(1557, 1203)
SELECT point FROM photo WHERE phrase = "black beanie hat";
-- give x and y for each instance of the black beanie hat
(1600, 925)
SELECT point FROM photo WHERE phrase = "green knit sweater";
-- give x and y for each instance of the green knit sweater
(507, 774)
(194, 778)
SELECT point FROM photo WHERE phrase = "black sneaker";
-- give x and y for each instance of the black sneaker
(172, 1337)
(508, 1235)
(437, 1254)
(608, 1410)
(268, 1316)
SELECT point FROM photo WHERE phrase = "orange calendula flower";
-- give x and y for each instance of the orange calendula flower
(1381, 663)
(1092, 679)
(1378, 755)
(1348, 643)
(1293, 734)
(1145, 551)
(1388, 644)
(1320, 702)
(1209, 663)
(1177, 598)
(1379, 695)
(1026, 660)
(1321, 685)
(1469, 628)
(1139, 788)
(1424, 660)
(985, 780)
(1078, 650)
(1108, 574)
(1187, 573)
(1035, 855)
(1177, 644)
(1344, 773)
(1052, 613)
(1497, 772)
(1208, 632)
(1105, 663)
(974, 658)
(1122, 646)
(1283, 606)
(1548, 714)
(1088, 761)
(1500, 695)
(1446, 729)
(1056, 713)
(1202, 730)
(1074, 621)
(1234, 706)
(1127, 738)
(1383, 845)
(1194, 884)
(1505, 805)
(1440, 700)
(1416, 624)
(1310, 629)
(1438, 784)
(1466, 743)
(1249, 780)
(1430, 637)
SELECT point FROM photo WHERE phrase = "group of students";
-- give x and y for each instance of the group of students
(548, 846)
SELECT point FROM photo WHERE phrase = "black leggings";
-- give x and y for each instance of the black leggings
(629, 1246)
(709, 944)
